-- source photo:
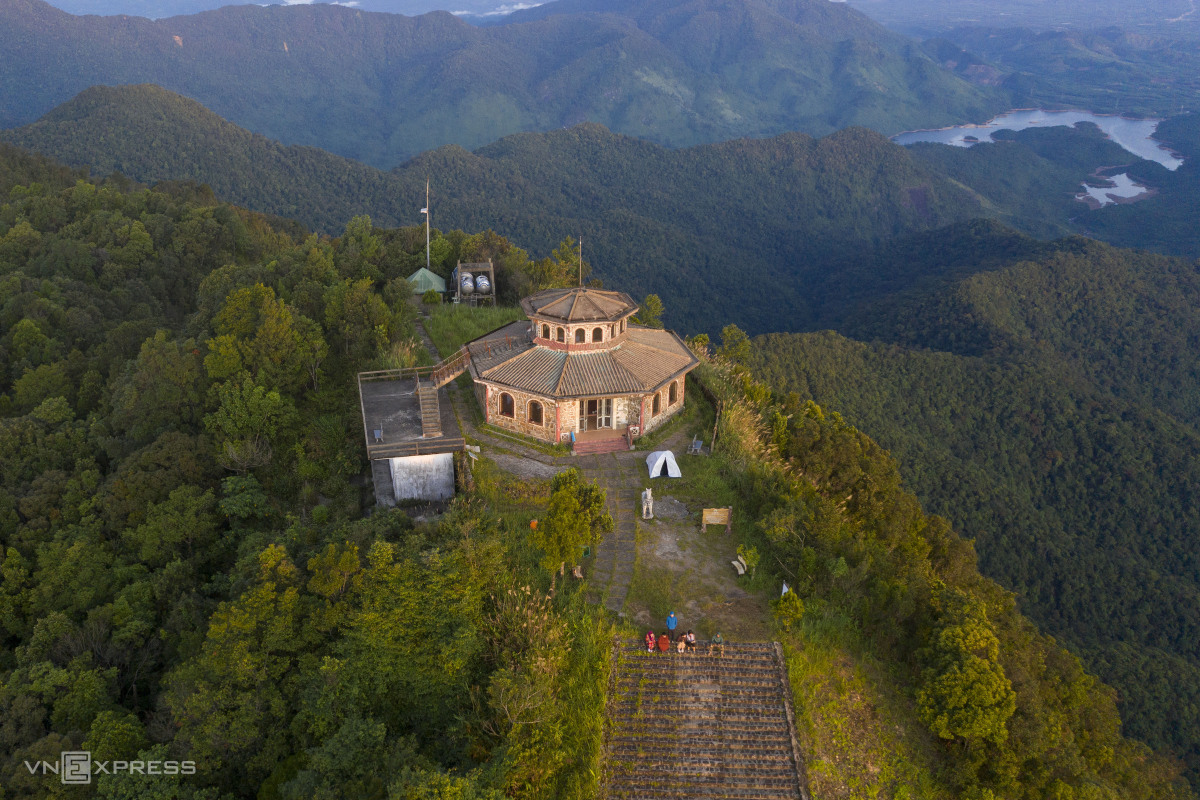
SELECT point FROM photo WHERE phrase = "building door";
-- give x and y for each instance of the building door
(604, 416)
(592, 411)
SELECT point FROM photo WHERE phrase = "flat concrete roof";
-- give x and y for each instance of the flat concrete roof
(392, 405)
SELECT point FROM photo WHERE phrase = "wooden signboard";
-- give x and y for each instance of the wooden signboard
(717, 516)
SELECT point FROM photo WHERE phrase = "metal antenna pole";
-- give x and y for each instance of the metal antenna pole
(427, 223)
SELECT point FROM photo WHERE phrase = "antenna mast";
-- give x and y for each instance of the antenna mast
(581, 262)
(426, 210)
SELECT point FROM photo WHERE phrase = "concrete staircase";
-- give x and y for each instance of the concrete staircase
(431, 415)
(700, 726)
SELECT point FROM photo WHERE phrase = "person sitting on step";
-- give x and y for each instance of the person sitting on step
(680, 646)
(716, 647)
(664, 643)
(651, 641)
(689, 639)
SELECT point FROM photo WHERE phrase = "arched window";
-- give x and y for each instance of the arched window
(546, 332)
(562, 336)
(673, 393)
(654, 407)
(598, 334)
(507, 406)
(580, 336)
(535, 412)
(622, 326)
(612, 331)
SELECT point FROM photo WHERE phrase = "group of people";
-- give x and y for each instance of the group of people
(682, 644)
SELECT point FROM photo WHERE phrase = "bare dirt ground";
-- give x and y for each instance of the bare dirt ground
(681, 569)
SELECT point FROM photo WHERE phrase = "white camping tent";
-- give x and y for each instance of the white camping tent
(662, 463)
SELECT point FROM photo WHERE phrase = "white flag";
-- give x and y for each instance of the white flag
(424, 210)
(786, 589)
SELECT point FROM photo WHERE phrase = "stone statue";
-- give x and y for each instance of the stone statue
(647, 505)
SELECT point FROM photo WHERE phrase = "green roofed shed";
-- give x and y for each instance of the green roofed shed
(423, 280)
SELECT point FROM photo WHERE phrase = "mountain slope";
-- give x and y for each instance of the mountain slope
(382, 87)
(709, 228)
(1056, 420)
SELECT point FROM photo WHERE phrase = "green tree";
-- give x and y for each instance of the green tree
(186, 522)
(964, 693)
(735, 344)
(788, 609)
(651, 311)
(248, 418)
(233, 701)
(574, 518)
(162, 389)
(357, 318)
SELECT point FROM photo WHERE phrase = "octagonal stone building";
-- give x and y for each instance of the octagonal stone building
(579, 366)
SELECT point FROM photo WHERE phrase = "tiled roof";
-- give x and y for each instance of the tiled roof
(500, 345)
(579, 304)
(645, 360)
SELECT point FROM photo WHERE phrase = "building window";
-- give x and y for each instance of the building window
(654, 407)
(580, 336)
(546, 332)
(622, 326)
(673, 393)
(535, 412)
(507, 406)
(598, 335)
(562, 336)
(612, 331)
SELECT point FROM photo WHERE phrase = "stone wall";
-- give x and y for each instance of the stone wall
(666, 409)
(519, 422)
(626, 411)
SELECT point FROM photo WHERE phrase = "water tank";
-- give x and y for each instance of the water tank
(466, 284)
(482, 284)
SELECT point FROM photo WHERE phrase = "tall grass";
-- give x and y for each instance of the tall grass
(452, 326)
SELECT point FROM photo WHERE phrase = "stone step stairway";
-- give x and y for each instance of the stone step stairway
(431, 414)
(701, 726)
(599, 446)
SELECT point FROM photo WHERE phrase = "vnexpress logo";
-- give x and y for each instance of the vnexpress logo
(75, 767)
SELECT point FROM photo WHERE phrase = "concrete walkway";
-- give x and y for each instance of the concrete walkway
(621, 475)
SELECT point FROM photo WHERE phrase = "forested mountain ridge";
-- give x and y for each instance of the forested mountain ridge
(653, 219)
(382, 87)
(1050, 409)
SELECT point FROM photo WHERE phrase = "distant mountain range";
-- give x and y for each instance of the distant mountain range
(920, 17)
(712, 228)
(380, 88)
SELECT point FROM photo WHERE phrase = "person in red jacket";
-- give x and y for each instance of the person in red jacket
(664, 644)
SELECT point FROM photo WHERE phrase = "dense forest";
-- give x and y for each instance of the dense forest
(188, 572)
(1049, 409)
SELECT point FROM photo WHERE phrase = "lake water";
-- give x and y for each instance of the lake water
(1122, 188)
(1135, 135)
